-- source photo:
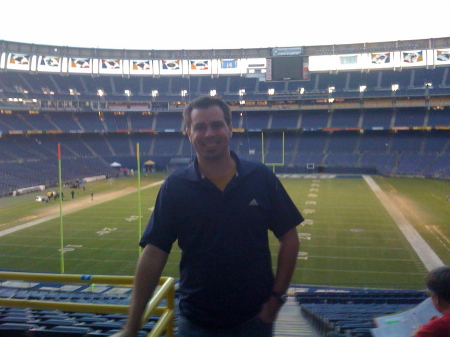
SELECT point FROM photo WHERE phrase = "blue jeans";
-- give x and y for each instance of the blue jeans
(253, 328)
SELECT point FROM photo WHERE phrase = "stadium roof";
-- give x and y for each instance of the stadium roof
(64, 51)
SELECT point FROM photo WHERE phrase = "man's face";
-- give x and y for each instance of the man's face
(209, 133)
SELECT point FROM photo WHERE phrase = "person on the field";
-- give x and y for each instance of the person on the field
(438, 284)
(220, 209)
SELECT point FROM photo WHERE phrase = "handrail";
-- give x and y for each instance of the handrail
(166, 290)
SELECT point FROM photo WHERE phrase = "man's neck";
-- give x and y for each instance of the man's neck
(216, 168)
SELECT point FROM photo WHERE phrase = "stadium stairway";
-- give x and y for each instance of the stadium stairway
(291, 323)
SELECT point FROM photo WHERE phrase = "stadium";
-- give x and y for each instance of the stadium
(359, 135)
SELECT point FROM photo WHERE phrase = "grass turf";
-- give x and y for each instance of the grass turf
(349, 239)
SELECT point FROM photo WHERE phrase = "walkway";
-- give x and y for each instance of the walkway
(291, 323)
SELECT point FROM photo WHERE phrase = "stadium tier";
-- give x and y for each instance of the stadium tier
(398, 142)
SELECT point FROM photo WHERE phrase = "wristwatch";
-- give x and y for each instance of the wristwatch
(280, 296)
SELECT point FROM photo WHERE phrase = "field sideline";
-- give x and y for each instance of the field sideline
(349, 238)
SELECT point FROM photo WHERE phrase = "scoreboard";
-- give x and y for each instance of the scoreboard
(287, 64)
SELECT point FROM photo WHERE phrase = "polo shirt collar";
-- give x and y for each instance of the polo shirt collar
(192, 172)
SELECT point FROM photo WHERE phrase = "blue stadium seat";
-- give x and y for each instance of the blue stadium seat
(16, 329)
(61, 331)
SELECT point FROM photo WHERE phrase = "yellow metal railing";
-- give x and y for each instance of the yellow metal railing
(166, 290)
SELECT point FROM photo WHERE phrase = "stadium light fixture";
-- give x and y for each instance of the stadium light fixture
(331, 89)
(184, 93)
(242, 102)
(155, 93)
(395, 87)
(362, 88)
(241, 92)
(271, 91)
(100, 92)
(301, 91)
(127, 92)
(213, 92)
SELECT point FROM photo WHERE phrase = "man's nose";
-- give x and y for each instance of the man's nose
(209, 131)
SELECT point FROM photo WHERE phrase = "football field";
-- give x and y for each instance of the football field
(351, 236)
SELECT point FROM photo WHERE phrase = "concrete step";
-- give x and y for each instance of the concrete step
(291, 323)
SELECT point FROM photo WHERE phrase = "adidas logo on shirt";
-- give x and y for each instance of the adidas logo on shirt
(253, 203)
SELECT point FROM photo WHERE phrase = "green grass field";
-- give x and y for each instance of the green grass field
(349, 239)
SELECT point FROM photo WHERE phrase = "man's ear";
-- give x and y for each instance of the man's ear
(188, 132)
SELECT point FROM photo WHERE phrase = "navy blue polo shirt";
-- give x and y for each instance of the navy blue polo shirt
(225, 269)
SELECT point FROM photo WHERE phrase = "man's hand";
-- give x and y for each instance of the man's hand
(270, 310)
(287, 258)
(150, 265)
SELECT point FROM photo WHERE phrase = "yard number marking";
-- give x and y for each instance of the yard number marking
(106, 230)
(69, 248)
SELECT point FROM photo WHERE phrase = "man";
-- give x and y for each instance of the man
(438, 284)
(220, 210)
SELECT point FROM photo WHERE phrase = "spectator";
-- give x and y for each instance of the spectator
(438, 284)
(220, 209)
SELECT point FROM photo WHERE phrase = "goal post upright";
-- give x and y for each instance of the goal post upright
(263, 157)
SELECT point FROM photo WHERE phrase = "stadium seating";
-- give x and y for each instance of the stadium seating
(351, 312)
(405, 152)
(395, 133)
(18, 322)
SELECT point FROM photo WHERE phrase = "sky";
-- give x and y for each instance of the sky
(225, 24)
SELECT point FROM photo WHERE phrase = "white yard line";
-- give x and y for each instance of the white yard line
(422, 249)
(99, 199)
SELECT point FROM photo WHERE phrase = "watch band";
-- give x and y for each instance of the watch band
(280, 296)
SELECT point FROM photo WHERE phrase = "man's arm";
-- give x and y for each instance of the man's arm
(148, 271)
(287, 259)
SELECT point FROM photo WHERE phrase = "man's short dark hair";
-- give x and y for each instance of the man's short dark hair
(438, 281)
(206, 102)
